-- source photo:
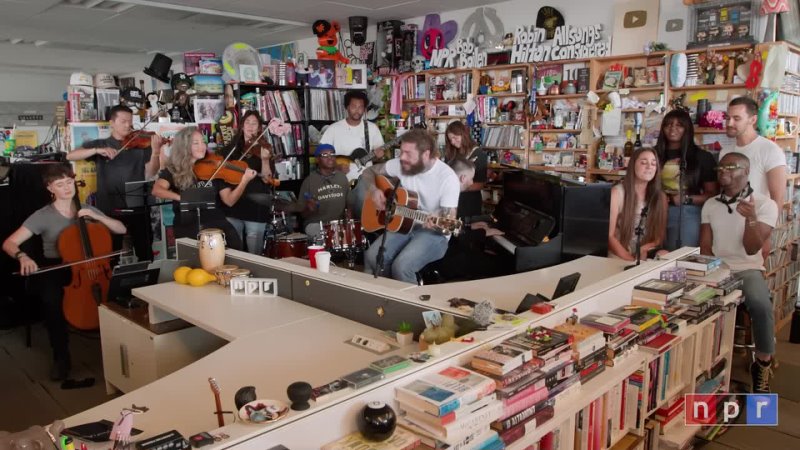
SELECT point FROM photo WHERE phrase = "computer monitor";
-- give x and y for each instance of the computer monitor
(121, 284)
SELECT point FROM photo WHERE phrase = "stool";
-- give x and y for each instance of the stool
(743, 333)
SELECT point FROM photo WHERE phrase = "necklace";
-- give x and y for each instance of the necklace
(729, 201)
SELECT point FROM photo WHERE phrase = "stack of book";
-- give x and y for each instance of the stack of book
(667, 414)
(657, 293)
(699, 265)
(646, 322)
(588, 349)
(452, 407)
(710, 271)
(400, 440)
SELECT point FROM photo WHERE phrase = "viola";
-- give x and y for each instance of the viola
(79, 243)
(140, 139)
(231, 171)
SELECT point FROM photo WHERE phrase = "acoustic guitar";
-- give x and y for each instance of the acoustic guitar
(404, 214)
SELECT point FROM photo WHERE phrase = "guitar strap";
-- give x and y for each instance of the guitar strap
(366, 136)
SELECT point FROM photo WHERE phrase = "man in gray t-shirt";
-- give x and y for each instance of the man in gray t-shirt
(324, 192)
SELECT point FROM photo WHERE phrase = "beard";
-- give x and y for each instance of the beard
(412, 169)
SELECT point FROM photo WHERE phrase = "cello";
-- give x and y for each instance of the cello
(78, 244)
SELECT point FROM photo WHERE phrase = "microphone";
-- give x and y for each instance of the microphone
(645, 209)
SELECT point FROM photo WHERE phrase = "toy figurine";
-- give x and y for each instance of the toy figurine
(327, 36)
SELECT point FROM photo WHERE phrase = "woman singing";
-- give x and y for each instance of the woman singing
(247, 206)
(188, 147)
(640, 188)
(49, 222)
(459, 144)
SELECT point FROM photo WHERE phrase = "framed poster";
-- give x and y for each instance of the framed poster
(721, 22)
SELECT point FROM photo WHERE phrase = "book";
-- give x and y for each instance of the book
(605, 322)
(658, 289)
(712, 279)
(543, 342)
(659, 344)
(536, 379)
(427, 397)
(626, 311)
(473, 422)
(450, 417)
(363, 377)
(390, 364)
(500, 359)
(515, 375)
(700, 263)
(469, 386)
(399, 440)
(644, 320)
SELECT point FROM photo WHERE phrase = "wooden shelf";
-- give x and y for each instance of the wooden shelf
(413, 100)
(634, 89)
(792, 116)
(784, 91)
(556, 149)
(792, 72)
(446, 102)
(503, 148)
(554, 130)
(783, 138)
(447, 117)
(560, 96)
(504, 67)
(496, 124)
(721, 48)
(506, 94)
(617, 173)
(700, 130)
(704, 87)
(565, 169)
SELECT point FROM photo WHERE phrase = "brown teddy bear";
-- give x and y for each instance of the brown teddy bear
(328, 41)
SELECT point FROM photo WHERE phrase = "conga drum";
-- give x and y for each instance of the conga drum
(211, 243)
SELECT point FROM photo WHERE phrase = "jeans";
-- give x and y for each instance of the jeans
(253, 233)
(690, 228)
(50, 288)
(406, 254)
(758, 301)
(355, 199)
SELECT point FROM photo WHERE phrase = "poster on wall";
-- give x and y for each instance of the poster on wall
(635, 24)
(79, 134)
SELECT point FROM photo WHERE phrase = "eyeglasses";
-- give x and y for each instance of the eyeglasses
(326, 155)
(729, 168)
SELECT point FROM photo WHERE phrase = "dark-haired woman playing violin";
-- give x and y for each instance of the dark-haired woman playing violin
(247, 205)
(188, 147)
(114, 169)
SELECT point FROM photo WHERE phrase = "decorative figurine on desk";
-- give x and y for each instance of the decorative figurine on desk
(299, 393)
(482, 313)
(244, 396)
(377, 421)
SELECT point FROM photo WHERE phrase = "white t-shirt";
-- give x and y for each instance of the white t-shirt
(728, 229)
(438, 187)
(764, 155)
(345, 138)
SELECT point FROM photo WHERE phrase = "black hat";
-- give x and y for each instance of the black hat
(181, 82)
(159, 68)
(321, 27)
(132, 95)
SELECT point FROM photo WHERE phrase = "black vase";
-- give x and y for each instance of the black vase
(299, 393)
(377, 421)
(244, 396)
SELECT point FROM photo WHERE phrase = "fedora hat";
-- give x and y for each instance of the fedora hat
(159, 68)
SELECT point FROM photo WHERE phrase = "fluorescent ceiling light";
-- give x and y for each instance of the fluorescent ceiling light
(213, 12)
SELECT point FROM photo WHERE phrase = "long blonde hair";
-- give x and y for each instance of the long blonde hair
(180, 162)
(654, 199)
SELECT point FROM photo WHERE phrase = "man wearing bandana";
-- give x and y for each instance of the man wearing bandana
(734, 227)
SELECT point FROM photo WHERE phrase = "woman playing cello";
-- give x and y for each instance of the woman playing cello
(49, 222)
(248, 204)
(189, 147)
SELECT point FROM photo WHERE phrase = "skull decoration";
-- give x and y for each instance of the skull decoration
(418, 63)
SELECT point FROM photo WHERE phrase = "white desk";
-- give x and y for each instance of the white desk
(506, 292)
(213, 309)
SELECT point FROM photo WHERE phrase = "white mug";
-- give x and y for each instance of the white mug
(323, 261)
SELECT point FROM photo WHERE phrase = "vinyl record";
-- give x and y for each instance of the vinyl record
(677, 70)
(235, 55)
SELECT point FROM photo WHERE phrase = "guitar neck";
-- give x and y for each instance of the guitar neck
(420, 216)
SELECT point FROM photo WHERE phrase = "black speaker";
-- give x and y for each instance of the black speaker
(358, 29)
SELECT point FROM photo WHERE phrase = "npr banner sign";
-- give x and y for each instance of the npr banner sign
(732, 409)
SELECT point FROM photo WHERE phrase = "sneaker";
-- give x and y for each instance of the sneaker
(761, 373)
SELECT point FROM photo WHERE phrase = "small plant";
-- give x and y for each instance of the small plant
(404, 328)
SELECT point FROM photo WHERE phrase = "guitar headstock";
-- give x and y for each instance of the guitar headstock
(214, 386)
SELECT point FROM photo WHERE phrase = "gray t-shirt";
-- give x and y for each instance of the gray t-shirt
(49, 223)
(330, 192)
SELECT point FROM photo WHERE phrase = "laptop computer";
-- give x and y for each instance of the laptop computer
(566, 285)
(119, 288)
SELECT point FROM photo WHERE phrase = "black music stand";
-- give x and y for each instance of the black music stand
(198, 199)
(139, 199)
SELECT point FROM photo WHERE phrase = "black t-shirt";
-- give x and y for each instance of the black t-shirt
(704, 172)
(189, 218)
(255, 203)
(112, 174)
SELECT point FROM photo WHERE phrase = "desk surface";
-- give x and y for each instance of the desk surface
(269, 360)
(506, 292)
(212, 308)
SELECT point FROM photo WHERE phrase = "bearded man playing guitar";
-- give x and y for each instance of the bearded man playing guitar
(354, 143)
(419, 169)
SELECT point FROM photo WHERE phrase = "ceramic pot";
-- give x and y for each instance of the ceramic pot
(377, 421)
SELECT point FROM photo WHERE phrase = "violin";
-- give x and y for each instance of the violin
(231, 171)
(140, 139)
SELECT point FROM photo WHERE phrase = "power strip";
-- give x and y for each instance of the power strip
(376, 345)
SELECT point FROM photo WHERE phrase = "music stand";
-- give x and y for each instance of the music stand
(198, 199)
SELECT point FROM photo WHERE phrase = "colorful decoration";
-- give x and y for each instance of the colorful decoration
(768, 116)
(327, 36)
(435, 35)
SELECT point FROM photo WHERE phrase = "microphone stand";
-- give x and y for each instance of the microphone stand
(639, 233)
(391, 201)
(681, 176)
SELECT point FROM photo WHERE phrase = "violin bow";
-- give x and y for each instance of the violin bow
(75, 263)
(255, 141)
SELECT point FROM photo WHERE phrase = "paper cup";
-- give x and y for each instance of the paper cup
(312, 250)
(323, 260)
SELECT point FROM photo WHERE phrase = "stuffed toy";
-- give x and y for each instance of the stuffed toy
(327, 36)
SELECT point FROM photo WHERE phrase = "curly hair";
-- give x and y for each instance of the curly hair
(180, 162)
